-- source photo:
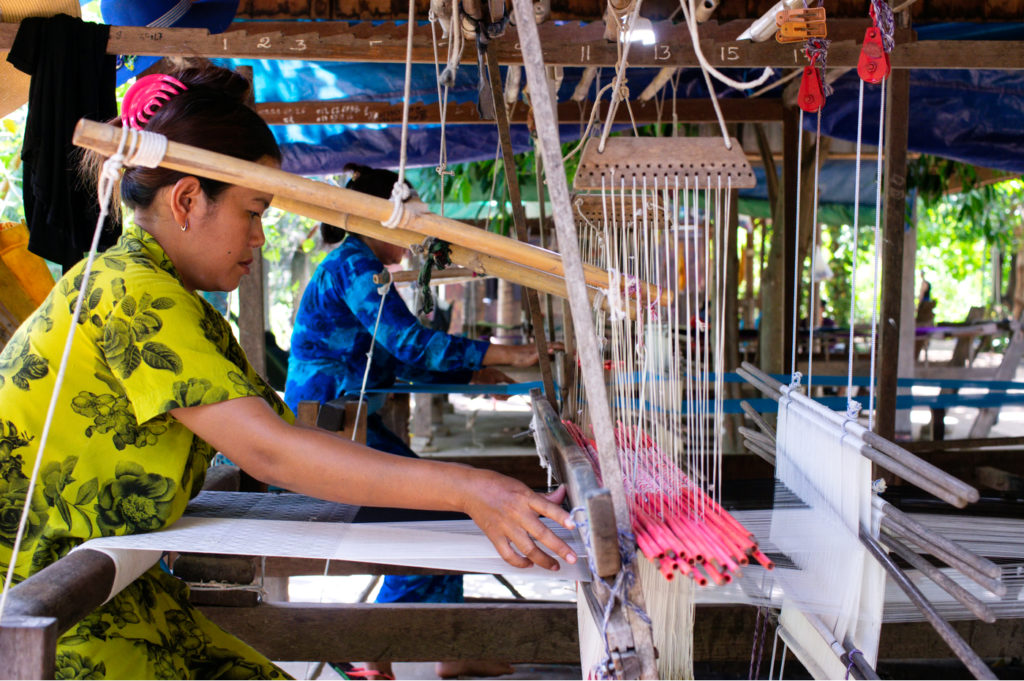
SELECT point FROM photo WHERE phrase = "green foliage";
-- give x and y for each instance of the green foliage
(11, 134)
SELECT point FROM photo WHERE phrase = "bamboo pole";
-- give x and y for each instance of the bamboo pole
(481, 263)
(104, 139)
(408, 276)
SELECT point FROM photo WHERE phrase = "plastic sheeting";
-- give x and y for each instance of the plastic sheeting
(972, 116)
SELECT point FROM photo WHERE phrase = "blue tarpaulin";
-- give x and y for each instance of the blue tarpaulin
(971, 116)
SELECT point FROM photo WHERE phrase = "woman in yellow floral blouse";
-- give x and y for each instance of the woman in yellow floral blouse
(157, 384)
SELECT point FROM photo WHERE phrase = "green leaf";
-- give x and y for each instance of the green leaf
(128, 306)
(65, 512)
(163, 303)
(87, 492)
(159, 356)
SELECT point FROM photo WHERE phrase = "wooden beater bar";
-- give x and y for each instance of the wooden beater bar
(104, 139)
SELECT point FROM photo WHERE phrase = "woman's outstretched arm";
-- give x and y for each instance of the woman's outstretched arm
(323, 465)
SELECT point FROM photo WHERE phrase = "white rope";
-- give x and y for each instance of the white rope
(856, 233)
(109, 176)
(708, 70)
(620, 73)
(383, 291)
(878, 249)
(400, 192)
(814, 252)
(442, 101)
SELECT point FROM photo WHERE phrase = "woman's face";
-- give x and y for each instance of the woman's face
(221, 237)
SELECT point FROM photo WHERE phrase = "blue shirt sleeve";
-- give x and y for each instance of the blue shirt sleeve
(400, 332)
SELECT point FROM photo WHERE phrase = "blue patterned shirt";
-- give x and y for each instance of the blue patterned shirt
(333, 330)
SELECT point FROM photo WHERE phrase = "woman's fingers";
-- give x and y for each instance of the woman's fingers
(508, 554)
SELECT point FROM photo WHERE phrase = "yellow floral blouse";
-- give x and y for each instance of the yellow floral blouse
(116, 461)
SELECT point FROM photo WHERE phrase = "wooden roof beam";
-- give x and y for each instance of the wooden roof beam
(565, 44)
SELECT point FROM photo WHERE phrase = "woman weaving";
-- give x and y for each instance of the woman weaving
(156, 384)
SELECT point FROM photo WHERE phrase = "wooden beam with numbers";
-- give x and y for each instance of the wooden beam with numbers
(563, 44)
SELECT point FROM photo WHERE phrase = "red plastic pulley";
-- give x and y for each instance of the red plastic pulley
(811, 97)
(873, 65)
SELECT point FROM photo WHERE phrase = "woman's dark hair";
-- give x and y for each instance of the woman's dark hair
(374, 181)
(331, 234)
(212, 114)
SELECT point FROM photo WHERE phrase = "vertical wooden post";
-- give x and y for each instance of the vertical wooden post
(792, 138)
(732, 317)
(27, 647)
(250, 301)
(519, 218)
(897, 118)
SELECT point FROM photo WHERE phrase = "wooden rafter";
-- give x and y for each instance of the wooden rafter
(347, 112)
(588, 10)
(566, 44)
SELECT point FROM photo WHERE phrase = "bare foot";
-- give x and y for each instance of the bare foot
(476, 668)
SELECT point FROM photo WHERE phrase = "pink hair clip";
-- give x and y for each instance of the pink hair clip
(147, 95)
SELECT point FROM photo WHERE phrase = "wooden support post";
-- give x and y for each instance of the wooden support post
(533, 313)
(251, 302)
(27, 647)
(986, 417)
(732, 317)
(897, 119)
(792, 138)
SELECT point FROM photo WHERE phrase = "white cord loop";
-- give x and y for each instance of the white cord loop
(399, 195)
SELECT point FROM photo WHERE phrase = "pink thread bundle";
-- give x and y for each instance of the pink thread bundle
(680, 529)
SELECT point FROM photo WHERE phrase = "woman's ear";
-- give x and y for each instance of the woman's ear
(184, 195)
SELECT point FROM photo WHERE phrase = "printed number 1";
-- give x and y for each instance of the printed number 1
(584, 52)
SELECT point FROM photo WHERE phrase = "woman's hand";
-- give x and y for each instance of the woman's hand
(508, 513)
(516, 355)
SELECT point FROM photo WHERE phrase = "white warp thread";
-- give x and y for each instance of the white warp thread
(128, 565)
(448, 545)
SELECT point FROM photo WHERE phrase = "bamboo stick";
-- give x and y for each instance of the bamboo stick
(913, 529)
(104, 139)
(966, 598)
(481, 263)
(959, 647)
(406, 276)
(757, 418)
(876, 448)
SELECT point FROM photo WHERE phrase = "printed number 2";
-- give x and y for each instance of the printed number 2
(263, 43)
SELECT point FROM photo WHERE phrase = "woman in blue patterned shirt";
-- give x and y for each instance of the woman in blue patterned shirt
(332, 335)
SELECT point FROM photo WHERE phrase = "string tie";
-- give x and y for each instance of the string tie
(618, 589)
(853, 408)
(849, 666)
(794, 381)
(817, 51)
(399, 195)
(881, 14)
(436, 253)
(614, 295)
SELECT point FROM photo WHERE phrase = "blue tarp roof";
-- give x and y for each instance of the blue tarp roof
(972, 116)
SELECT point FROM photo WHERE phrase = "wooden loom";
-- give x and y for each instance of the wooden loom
(481, 264)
